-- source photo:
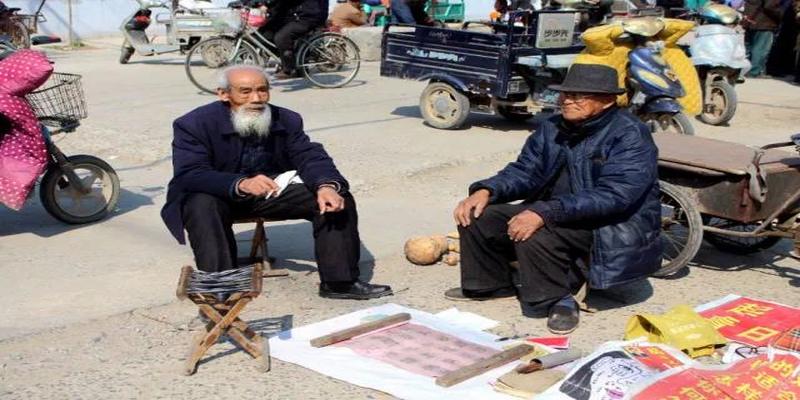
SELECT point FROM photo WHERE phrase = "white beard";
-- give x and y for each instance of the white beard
(247, 123)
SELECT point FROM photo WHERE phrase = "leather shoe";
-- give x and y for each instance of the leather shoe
(459, 294)
(353, 291)
(562, 319)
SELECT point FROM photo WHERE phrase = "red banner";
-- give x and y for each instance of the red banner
(752, 322)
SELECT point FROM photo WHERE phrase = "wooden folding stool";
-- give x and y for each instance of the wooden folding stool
(223, 315)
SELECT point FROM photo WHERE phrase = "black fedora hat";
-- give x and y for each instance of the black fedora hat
(590, 78)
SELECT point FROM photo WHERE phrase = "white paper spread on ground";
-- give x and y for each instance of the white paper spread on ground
(344, 364)
(466, 319)
(716, 303)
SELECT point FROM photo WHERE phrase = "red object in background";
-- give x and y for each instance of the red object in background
(752, 322)
(556, 342)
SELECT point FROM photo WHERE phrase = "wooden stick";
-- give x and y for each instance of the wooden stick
(350, 333)
(183, 282)
(477, 368)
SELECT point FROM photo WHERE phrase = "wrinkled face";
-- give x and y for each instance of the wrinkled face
(577, 107)
(248, 90)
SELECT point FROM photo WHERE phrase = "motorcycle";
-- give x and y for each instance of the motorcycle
(718, 53)
(186, 24)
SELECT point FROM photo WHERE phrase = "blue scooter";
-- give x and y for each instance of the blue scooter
(653, 87)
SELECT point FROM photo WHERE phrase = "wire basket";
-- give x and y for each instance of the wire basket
(28, 20)
(60, 101)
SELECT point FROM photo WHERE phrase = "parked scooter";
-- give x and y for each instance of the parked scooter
(653, 86)
(184, 26)
(718, 53)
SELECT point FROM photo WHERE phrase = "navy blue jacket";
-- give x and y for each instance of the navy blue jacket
(207, 151)
(614, 181)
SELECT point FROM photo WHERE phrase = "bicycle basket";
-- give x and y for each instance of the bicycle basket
(60, 101)
(227, 22)
(29, 21)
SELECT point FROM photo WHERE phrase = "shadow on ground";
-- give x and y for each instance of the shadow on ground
(292, 244)
(34, 219)
(766, 261)
(488, 121)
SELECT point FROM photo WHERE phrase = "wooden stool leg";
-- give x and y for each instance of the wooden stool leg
(269, 271)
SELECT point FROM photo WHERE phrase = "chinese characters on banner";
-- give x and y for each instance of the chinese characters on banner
(653, 357)
(749, 379)
(752, 322)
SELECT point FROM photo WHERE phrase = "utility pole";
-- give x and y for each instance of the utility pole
(69, 24)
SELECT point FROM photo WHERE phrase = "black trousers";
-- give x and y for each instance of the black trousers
(208, 221)
(284, 36)
(551, 263)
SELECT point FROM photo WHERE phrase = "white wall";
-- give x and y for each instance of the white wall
(103, 17)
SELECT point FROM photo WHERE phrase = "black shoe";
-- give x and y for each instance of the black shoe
(562, 319)
(459, 294)
(354, 291)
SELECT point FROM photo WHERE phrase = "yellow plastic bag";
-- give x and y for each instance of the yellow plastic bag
(680, 327)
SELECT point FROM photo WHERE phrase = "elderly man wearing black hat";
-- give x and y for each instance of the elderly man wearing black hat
(590, 209)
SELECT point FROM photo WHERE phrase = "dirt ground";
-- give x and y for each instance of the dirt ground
(90, 312)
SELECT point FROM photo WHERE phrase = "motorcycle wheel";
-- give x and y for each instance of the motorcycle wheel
(722, 104)
(681, 230)
(513, 115)
(125, 53)
(677, 123)
(66, 204)
(208, 56)
(443, 106)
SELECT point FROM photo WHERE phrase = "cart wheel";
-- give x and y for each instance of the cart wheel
(681, 230)
(443, 106)
(733, 244)
(513, 115)
(677, 123)
(721, 105)
(65, 203)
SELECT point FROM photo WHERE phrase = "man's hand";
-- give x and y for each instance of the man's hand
(258, 185)
(523, 225)
(328, 200)
(474, 204)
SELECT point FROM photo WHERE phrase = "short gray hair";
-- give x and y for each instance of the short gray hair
(223, 79)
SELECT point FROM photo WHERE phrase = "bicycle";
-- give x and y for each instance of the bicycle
(19, 27)
(326, 59)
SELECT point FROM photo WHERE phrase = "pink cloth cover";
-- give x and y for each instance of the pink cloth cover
(23, 153)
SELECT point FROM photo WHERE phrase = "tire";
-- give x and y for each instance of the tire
(677, 123)
(722, 107)
(681, 230)
(64, 204)
(18, 33)
(733, 244)
(329, 60)
(208, 57)
(443, 106)
(125, 53)
(513, 115)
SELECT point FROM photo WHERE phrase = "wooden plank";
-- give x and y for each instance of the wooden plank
(183, 282)
(350, 333)
(477, 368)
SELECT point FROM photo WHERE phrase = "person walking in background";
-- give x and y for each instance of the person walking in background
(348, 14)
(761, 19)
(781, 60)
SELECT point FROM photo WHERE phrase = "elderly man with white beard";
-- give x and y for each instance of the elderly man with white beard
(225, 156)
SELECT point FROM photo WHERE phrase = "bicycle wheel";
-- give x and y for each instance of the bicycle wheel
(329, 60)
(64, 202)
(208, 57)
